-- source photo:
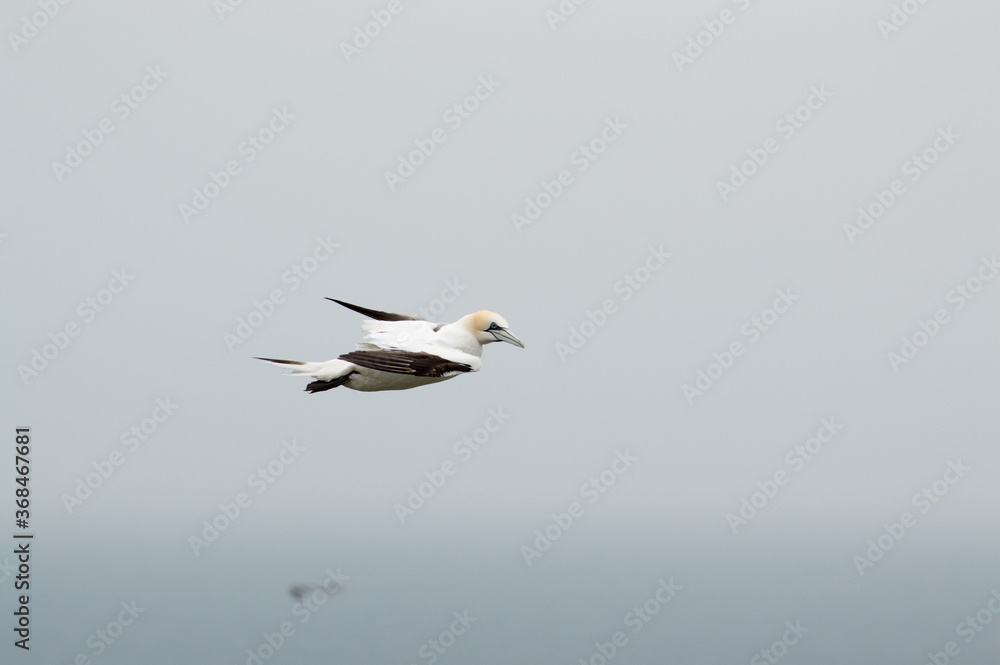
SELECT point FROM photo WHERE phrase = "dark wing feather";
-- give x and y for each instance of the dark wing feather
(375, 314)
(405, 362)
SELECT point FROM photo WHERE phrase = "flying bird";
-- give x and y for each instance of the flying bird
(401, 352)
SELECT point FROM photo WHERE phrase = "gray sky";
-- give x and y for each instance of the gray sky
(742, 402)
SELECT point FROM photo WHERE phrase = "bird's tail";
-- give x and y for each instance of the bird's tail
(329, 374)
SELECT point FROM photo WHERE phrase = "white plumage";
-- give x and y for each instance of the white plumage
(401, 352)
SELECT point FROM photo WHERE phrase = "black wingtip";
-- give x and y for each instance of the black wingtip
(374, 313)
(319, 385)
(283, 362)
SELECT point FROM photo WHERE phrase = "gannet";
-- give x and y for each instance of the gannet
(401, 352)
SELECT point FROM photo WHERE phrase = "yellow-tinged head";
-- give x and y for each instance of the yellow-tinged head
(489, 327)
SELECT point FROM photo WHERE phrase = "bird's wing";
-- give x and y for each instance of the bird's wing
(400, 336)
(407, 362)
(397, 332)
(374, 313)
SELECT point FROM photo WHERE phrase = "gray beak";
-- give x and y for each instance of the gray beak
(504, 335)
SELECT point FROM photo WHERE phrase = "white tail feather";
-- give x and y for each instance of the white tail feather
(325, 371)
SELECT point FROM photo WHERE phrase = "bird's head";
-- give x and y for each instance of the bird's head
(491, 327)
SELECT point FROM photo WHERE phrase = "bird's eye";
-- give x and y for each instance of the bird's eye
(493, 326)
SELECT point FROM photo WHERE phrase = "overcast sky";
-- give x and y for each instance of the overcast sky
(751, 248)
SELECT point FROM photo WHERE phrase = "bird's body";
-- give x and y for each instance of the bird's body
(401, 352)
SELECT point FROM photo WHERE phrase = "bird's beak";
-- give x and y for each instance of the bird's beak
(504, 335)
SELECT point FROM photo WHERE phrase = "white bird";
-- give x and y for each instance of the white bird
(403, 352)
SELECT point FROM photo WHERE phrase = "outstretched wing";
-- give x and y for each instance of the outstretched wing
(406, 362)
(375, 314)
